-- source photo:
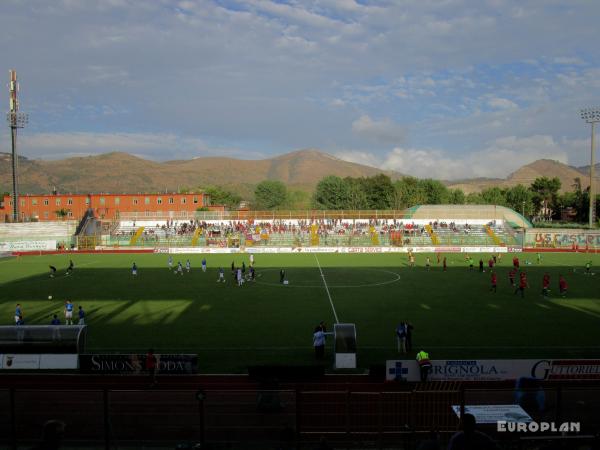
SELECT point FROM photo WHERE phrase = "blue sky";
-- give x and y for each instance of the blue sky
(442, 88)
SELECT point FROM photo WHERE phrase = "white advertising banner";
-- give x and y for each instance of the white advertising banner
(371, 250)
(49, 361)
(20, 362)
(496, 369)
(492, 414)
(27, 246)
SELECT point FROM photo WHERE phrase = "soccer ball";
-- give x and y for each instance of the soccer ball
(49, 297)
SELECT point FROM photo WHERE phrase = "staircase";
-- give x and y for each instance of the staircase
(196, 237)
(374, 235)
(314, 236)
(136, 236)
(493, 235)
(434, 237)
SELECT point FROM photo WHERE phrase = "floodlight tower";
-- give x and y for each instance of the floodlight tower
(592, 116)
(15, 120)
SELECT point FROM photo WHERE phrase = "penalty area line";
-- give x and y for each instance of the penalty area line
(327, 289)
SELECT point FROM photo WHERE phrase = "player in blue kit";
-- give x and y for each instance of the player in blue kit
(68, 313)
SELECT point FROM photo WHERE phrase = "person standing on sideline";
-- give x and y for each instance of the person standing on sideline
(251, 259)
(134, 270)
(18, 313)
(151, 363)
(203, 264)
(55, 320)
(480, 265)
(81, 316)
(319, 344)
(424, 365)
(68, 312)
(401, 337)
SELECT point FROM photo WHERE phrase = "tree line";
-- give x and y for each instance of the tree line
(541, 199)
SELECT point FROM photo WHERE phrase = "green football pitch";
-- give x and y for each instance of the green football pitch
(454, 314)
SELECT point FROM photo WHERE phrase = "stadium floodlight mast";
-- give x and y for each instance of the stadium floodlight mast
(15, 120)
(592, 116)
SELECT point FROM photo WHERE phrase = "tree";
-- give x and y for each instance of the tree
(545, 193)
(474, 198)
(331, 193)
(270, 194)
(220, 196)
(494, 196)
(435, 191)
(408, 192)
(456, 197)
(378, 190)
(357, 198)
(520, 199)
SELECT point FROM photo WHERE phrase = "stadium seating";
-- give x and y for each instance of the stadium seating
(57, 230)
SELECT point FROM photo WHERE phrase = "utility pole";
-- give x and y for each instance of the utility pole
(15, 120)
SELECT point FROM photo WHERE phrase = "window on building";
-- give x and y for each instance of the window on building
(183, 200)
(195, 200)
(69, 201)
(10, 202)
(34, 201)
(183, 213)
(147, 213)
(87, 200)
(102, 200)
(135, 201)
(45, 202)
(147, 200)
(117, 200)
(58, 202)
(22, 202)
(70, 213)
(171, 200)
(159, 201)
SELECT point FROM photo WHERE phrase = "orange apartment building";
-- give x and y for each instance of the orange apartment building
(105, 206)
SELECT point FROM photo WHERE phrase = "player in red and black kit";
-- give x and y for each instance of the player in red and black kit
(545, 285)
(516, 263)
(511, 276)
(522, 284)
(494, 282)
(444, 264)
(562, 286)
(491, 263)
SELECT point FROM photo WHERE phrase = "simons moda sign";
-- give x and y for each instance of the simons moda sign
(136, 364)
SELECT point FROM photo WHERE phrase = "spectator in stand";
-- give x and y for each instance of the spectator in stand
(469, 438)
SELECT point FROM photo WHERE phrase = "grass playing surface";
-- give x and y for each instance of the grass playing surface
(230, 327)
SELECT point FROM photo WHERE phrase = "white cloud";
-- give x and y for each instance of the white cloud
(146, 145)
(501, 103)
(383, 130)
(500, 158)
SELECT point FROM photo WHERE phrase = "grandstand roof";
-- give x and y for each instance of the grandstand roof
(466, 212)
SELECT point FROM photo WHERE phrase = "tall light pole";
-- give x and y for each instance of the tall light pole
(592, 116)
(15, 120)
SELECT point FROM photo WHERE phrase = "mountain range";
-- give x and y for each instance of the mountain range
(121, 172)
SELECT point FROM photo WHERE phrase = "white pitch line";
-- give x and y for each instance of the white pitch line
(327, 289)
